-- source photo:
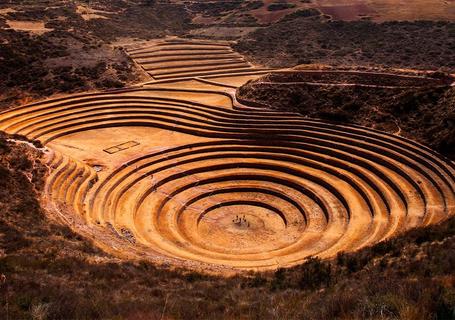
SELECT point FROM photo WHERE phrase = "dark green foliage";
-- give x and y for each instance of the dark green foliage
(253, 5)
(304, 13)
(420, 44)
(280, 6)
(211, 8)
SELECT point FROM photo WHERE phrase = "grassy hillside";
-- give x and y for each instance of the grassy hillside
(425, 114)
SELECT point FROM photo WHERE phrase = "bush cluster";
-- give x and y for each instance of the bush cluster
(408, 44)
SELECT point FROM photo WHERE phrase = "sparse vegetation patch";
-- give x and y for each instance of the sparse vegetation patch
(422, 44)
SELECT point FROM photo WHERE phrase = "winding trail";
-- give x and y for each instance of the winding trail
(180, 172)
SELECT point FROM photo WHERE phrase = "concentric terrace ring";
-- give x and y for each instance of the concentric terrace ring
(259, 189)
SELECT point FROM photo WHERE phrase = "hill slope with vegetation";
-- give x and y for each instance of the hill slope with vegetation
(68, 46)
(405, 44)
(425, 113)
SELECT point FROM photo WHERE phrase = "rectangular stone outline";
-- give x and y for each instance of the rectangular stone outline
(121, 147)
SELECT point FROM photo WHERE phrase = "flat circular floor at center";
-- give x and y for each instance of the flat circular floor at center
(242, 228)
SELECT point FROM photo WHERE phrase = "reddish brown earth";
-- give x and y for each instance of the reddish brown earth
(348, 12)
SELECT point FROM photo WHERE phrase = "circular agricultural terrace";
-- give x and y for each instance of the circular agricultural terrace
(178, 171)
